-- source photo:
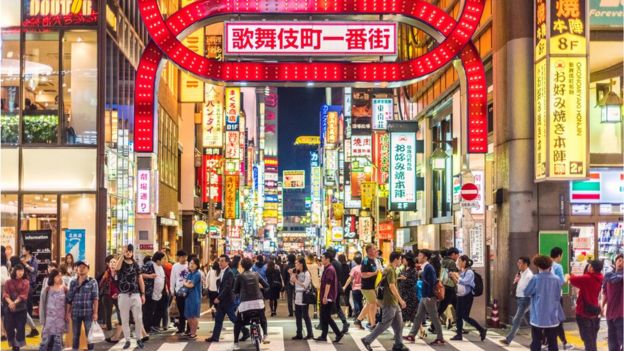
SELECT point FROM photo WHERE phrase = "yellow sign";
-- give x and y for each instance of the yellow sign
(294, 179)
(212, 117)
(200, 227)
(368, 190)
(561, 80)
(192, 88)
(331, 136)
(308, 140)
(231, 197)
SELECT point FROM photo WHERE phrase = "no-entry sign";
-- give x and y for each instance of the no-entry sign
(469, 192)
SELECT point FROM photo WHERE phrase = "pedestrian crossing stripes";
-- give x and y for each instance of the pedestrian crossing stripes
(280, 340)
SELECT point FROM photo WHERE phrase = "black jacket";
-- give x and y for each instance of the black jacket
(247, 285)
(226, 296)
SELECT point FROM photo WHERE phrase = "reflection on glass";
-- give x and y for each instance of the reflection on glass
(39, 212)
(78, 226)
(9, 88)
(8, 222)
(80, 86)
(41, 90)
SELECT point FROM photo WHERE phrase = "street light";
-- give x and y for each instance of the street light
(611, 105)
(438, 159)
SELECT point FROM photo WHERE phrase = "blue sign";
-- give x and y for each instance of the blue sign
(75, 243)
(270, 198)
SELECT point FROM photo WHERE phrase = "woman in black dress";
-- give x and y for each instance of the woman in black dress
(407, 286)
(274, 278)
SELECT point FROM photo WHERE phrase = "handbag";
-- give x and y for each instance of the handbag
(182, 292)
(309, 296)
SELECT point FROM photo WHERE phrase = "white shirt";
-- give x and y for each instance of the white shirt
(305, 279)
(251, 305)
(525, 278)
(159, 282)
(212, 280)
(178, 274)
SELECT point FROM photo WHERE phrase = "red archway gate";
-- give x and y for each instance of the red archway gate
(455, 39)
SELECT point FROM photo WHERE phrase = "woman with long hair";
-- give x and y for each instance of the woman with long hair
(69, 261)
(109, 292)
(52, 313)
(465, 285)
(14, 296)
(4, 277)
(407, 281)
(274, 278)
(313, 268)
(300, 278)
(192, 303)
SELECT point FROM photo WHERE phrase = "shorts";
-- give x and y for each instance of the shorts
(370, 295)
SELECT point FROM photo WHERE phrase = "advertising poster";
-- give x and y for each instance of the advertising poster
(40, 241)
(361, 146)
(477, 241)
(8, 240)
(294, 179)
(368, 192)
(75, 243)
(212, 181)
(212, 117)
(358, 177)
(365, 229)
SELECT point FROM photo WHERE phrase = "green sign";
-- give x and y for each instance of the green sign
(551, 239)
(606, 13)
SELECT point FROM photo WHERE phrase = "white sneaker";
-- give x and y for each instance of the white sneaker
(236, 347)
(568, 347)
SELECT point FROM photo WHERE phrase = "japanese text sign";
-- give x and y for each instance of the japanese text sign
(212, 180)
(381, 156)
(382, 112)
(49, 13)
(361, 146)
(294, 179)
(232, 145)
(212, 117)
(311, 38)
(231, 197)
(402, 166)
(143, 191)
(232, 108)
(561, 81)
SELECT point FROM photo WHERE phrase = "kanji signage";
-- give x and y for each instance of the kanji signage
(231, 197)
(350, 227)
(561, 84)
(232, 145)
(143, 191)
(212, 117)
(310, 38)
(361, 146)
(212, 180)
(331, 135)
(402, 166)
(191, 87)
(55, 13)
(365, 229)
(386, 230)
(232, 108)
(294, 179)
(382, 113)
(381, 156)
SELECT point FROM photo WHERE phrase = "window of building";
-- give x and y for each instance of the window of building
(41, 88)
(9, 169)
(78, 219)
(10, 14)
(8, 223)
(167, 149)
(80, 87)
(59, 169)
(40, 212)
(9, 86)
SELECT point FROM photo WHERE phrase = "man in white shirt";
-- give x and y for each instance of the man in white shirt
(522, 279)
(160, 293)
(178, 275)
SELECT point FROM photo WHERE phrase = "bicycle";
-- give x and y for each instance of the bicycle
(252, 319)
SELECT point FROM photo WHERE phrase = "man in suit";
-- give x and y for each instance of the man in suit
(225, 300)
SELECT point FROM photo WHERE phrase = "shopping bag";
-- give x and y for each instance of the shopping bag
(96, 334)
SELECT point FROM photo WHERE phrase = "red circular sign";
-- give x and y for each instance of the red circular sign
(469, 191)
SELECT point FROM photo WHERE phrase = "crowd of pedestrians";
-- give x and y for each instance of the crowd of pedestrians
(147, 297)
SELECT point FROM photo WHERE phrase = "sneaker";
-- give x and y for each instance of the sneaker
(236, 347)
(140, 344)
(33, 333)
(126, 345)
(366, 344)
(345, 329)
(568, 347)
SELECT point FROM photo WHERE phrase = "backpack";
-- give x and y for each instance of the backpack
(478, 281)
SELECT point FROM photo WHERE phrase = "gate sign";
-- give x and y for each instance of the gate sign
(469, 192)
(311, 38)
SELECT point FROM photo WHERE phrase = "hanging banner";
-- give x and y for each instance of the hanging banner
(381, 156)
(365, 229)
(561, 85)
(350, 227)
(232, 108)
(382, 113)
(231, 197)
(212, 117)
(75, 243)
(402, 165)
(144, 191)
(212, 181)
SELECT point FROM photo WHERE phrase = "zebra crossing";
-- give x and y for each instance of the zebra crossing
(281, 332)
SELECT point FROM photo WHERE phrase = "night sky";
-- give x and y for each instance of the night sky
(298, 115)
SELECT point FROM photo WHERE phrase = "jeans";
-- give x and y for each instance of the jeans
(537, 335)
(181, 321)
(149, 308)
(107, 310)
(390, 316)
(523, 306)
(77, 322)
(464, 305)
(302, 314)
(588, 328)
(222, 311)
(327, 321)
(340, 313)
(160, 310)
(357, 302)
(290, 298)
(427, 306)
(51, 343)
(126, 303)
(614, 333)
(165, 311)
(15, 326)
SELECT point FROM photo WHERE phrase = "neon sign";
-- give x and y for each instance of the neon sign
(457, 41)
(46, 13)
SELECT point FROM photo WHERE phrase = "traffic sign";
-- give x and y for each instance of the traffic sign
(469, 191)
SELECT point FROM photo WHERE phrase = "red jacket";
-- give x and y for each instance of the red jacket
(589, 285)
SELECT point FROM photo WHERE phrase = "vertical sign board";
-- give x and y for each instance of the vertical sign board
(381, 156)
(212, 186)
(548, 240)
(40, 241)
(212, 117)
(75, 243)
(270, 121)
(402, 165)
(382, 113)
(232, 108)
(192, 88)
(231, 197)
(143, 191)
(561, 85)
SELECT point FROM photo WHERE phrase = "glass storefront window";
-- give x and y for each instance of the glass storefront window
(8, 223)
(442, 179)
(9, 169)
(78, 226)
(79, 85)
(10, 14)
(39, 212)
(41, 88)
(59, 169)
(9, 87)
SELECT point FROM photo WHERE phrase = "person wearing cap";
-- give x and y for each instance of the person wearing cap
(131, 295)
(82, 303)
